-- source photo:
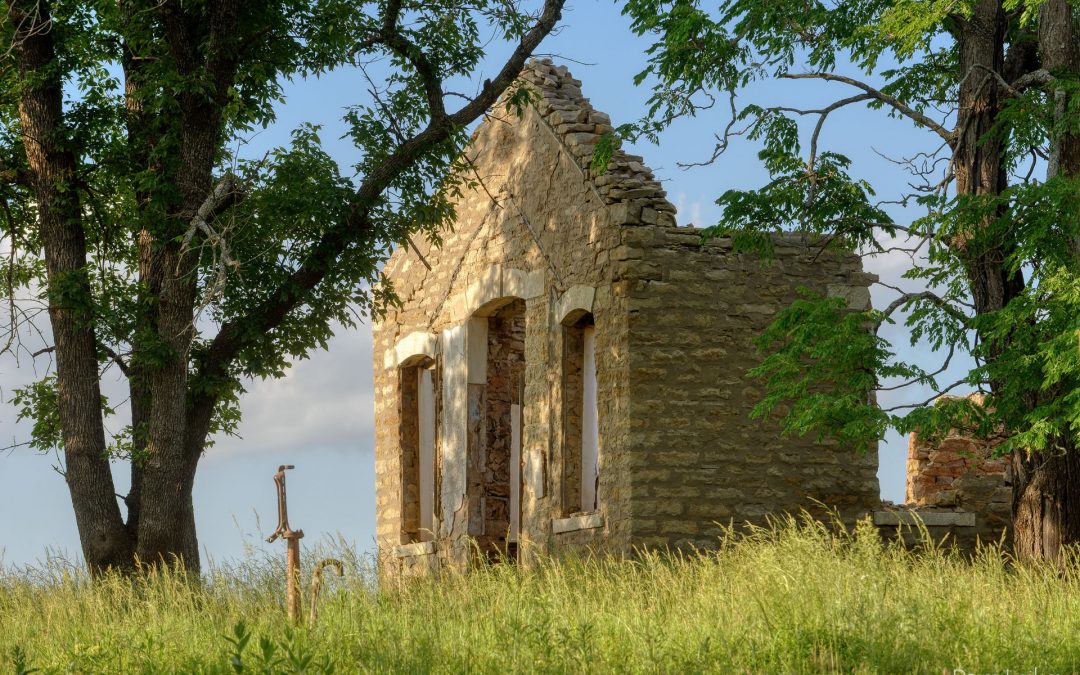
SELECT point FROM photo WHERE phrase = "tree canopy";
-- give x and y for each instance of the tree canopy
(995, 204)
(158, 252)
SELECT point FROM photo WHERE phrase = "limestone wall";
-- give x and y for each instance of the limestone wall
(535, 227)
(698, 460)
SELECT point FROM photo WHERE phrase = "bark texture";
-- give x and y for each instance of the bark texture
(1046, 484)
(1046, 487)
(104, 539)
(1046, 503)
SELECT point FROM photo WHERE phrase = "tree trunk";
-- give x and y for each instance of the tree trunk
(166, 516)
(1046, 503)
(105, 541)
(1046, 484)
(195, 50)
(978, 154)
(1046, 487)
(1059, 53)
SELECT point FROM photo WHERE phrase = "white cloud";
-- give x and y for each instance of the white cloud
(325, 401)
(689, 212)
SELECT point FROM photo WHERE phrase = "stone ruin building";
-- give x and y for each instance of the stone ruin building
(567, 370)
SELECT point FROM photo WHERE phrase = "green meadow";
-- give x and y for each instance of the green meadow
(799, 597)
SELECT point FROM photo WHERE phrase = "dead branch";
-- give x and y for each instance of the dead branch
(906, 299)
(226, 193)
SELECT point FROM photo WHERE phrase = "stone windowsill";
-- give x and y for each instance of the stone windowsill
(578, 521)
(928, 518)
(419, 548)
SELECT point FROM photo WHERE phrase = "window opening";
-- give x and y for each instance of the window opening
(418, 423)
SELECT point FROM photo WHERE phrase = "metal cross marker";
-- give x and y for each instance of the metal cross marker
(292, 540)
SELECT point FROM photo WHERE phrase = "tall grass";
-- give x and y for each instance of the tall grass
(795, 598)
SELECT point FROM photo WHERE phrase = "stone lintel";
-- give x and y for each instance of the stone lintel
(418, 548)
(577, 297)
(521, 284)
(928, 518)
(580, 521)
(487, 287)
(417, 343)
(493, 288)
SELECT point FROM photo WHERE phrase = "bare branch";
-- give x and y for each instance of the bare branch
(226, 193)
(895, 103)
(392, 37)
(1036, 78)
(924, 378)
(906, 299)
(910, 406)
(416, 250)
(722, 140)
(117, 359)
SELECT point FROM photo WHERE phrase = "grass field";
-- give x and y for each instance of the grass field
(793, 599)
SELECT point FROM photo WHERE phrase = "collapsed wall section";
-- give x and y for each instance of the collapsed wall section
(958, 489)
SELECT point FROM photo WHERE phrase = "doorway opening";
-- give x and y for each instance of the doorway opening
(497, 423)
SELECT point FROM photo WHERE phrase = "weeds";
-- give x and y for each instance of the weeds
(797, 597)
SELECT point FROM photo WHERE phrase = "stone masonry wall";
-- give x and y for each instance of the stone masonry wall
(537, 228)
(959, 473)
(699, 461)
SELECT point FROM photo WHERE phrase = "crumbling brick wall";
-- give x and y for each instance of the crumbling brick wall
(960, 472)
(959, 490)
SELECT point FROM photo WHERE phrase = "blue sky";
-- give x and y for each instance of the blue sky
(320, 417)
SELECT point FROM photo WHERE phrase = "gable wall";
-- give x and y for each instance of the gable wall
(535, 227)
(674, 325)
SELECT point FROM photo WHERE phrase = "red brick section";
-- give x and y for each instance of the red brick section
(960, 473)
(945, 474)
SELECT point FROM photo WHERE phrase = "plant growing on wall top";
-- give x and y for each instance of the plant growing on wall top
(995, 86)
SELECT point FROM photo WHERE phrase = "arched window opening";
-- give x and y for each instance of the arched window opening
(581, 428)
(418, 424)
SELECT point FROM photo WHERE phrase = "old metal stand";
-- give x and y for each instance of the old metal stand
(292, 540)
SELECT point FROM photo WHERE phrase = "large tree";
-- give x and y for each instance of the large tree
(160, 254)
(996, 86)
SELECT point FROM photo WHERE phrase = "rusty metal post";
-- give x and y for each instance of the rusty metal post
(292, 541)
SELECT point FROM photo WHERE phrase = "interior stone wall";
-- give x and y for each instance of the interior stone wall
(504, 386)
(572, 388)
(409, 439)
